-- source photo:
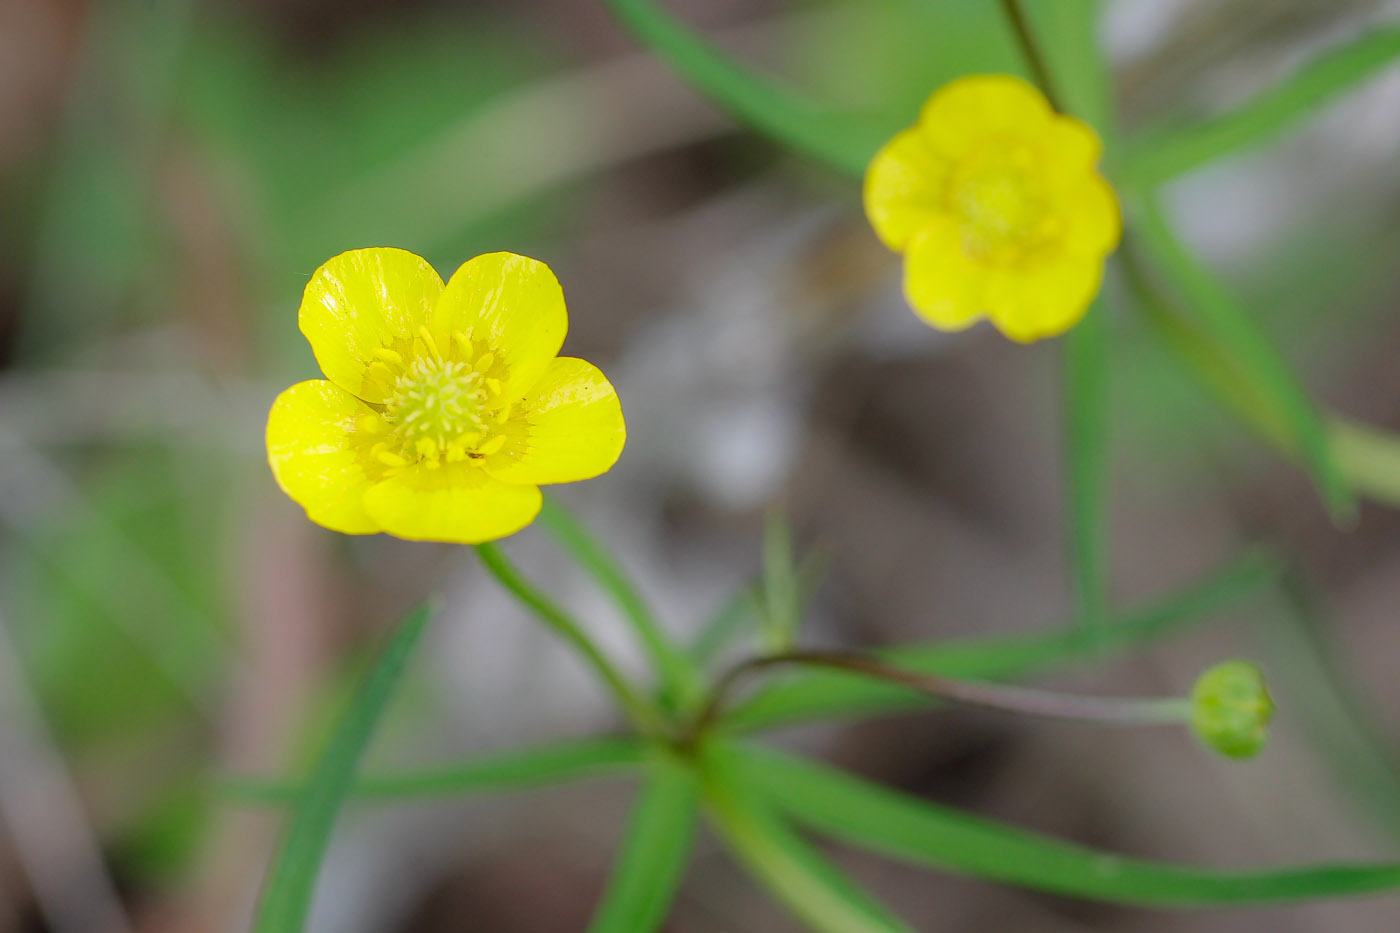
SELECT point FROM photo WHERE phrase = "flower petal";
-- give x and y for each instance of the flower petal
(942, 285)
(1045, 299)
(361, 301)
(319, 451)
(1093, 224)
(457, 502)
(1069, 148)
(904, 188)
(513, 305)
(963, 114)
(570, 428)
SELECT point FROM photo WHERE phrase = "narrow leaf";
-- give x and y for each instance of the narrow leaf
(823, 694)
(680, 681)
(816, 891)
(514, 770)
(1229, 326)
(291, 878)
(843, 141)
(1086, 468)
(1339, 724)
(1369, 457)
(910, 829)
(745, 604)
(1159, 155)
(780, 595)
(653, 858)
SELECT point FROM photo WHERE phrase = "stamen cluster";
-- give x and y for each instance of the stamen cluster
(442, 406)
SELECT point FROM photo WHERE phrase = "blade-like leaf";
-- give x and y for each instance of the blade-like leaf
(1086, 453)
(780, 595)
(653, 858)
(822, 694)
(903, 827)
(1223, 321)
(1370, 458)
(1336, 720)
(783, 862)
(843, 141)
(291, 878)
(513, 770)
(680, 682)
(1162, 154)
(745, 605)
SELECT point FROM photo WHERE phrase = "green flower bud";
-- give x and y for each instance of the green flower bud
(1231, 709)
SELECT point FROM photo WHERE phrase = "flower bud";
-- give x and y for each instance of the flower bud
(1231, 709)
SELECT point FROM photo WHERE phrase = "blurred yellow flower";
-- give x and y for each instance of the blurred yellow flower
(444, 407)
(995, 202)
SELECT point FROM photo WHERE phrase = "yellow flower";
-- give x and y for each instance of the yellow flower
(445, 407)
(996, 204)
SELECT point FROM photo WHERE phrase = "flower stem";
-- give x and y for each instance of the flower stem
(641, 713)
(680, 681)
(999, 697)
(1034, 60)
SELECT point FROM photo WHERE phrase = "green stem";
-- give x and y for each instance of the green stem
(642, 714)
(680, 682)
(1003, 698)
(1016, 17)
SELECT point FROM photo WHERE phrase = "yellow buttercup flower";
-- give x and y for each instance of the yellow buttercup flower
(444, 408)
(995, 202)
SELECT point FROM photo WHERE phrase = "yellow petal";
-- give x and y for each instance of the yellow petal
(1043, 299)
(904, 188)
(513, 306)
(965, 113)
(1093, 224)
(1069, 148)
(570, 428)
(942, 285)
(362, 301)
(319, 451)
(457, 502)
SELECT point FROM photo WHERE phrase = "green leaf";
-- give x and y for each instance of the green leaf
(1086, 452)
(514, 770)
(1225, 323)
(679, 678)
(745, 606)
(291, 878)
(906, 828)
(725, 624)
(843, 141)
(1336, 720)
(1369, 457)
(653, 859)
(808, 884)
(781, 601)
(824, 694)
(1159, 155)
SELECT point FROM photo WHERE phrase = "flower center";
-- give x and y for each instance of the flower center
(440, 407)
(999, 207)
(440, 401)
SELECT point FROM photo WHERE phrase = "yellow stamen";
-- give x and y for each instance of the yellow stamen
(388, 356)
(428, 341)
(485, 362)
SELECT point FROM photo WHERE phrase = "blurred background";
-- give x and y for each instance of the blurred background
(171, 172)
